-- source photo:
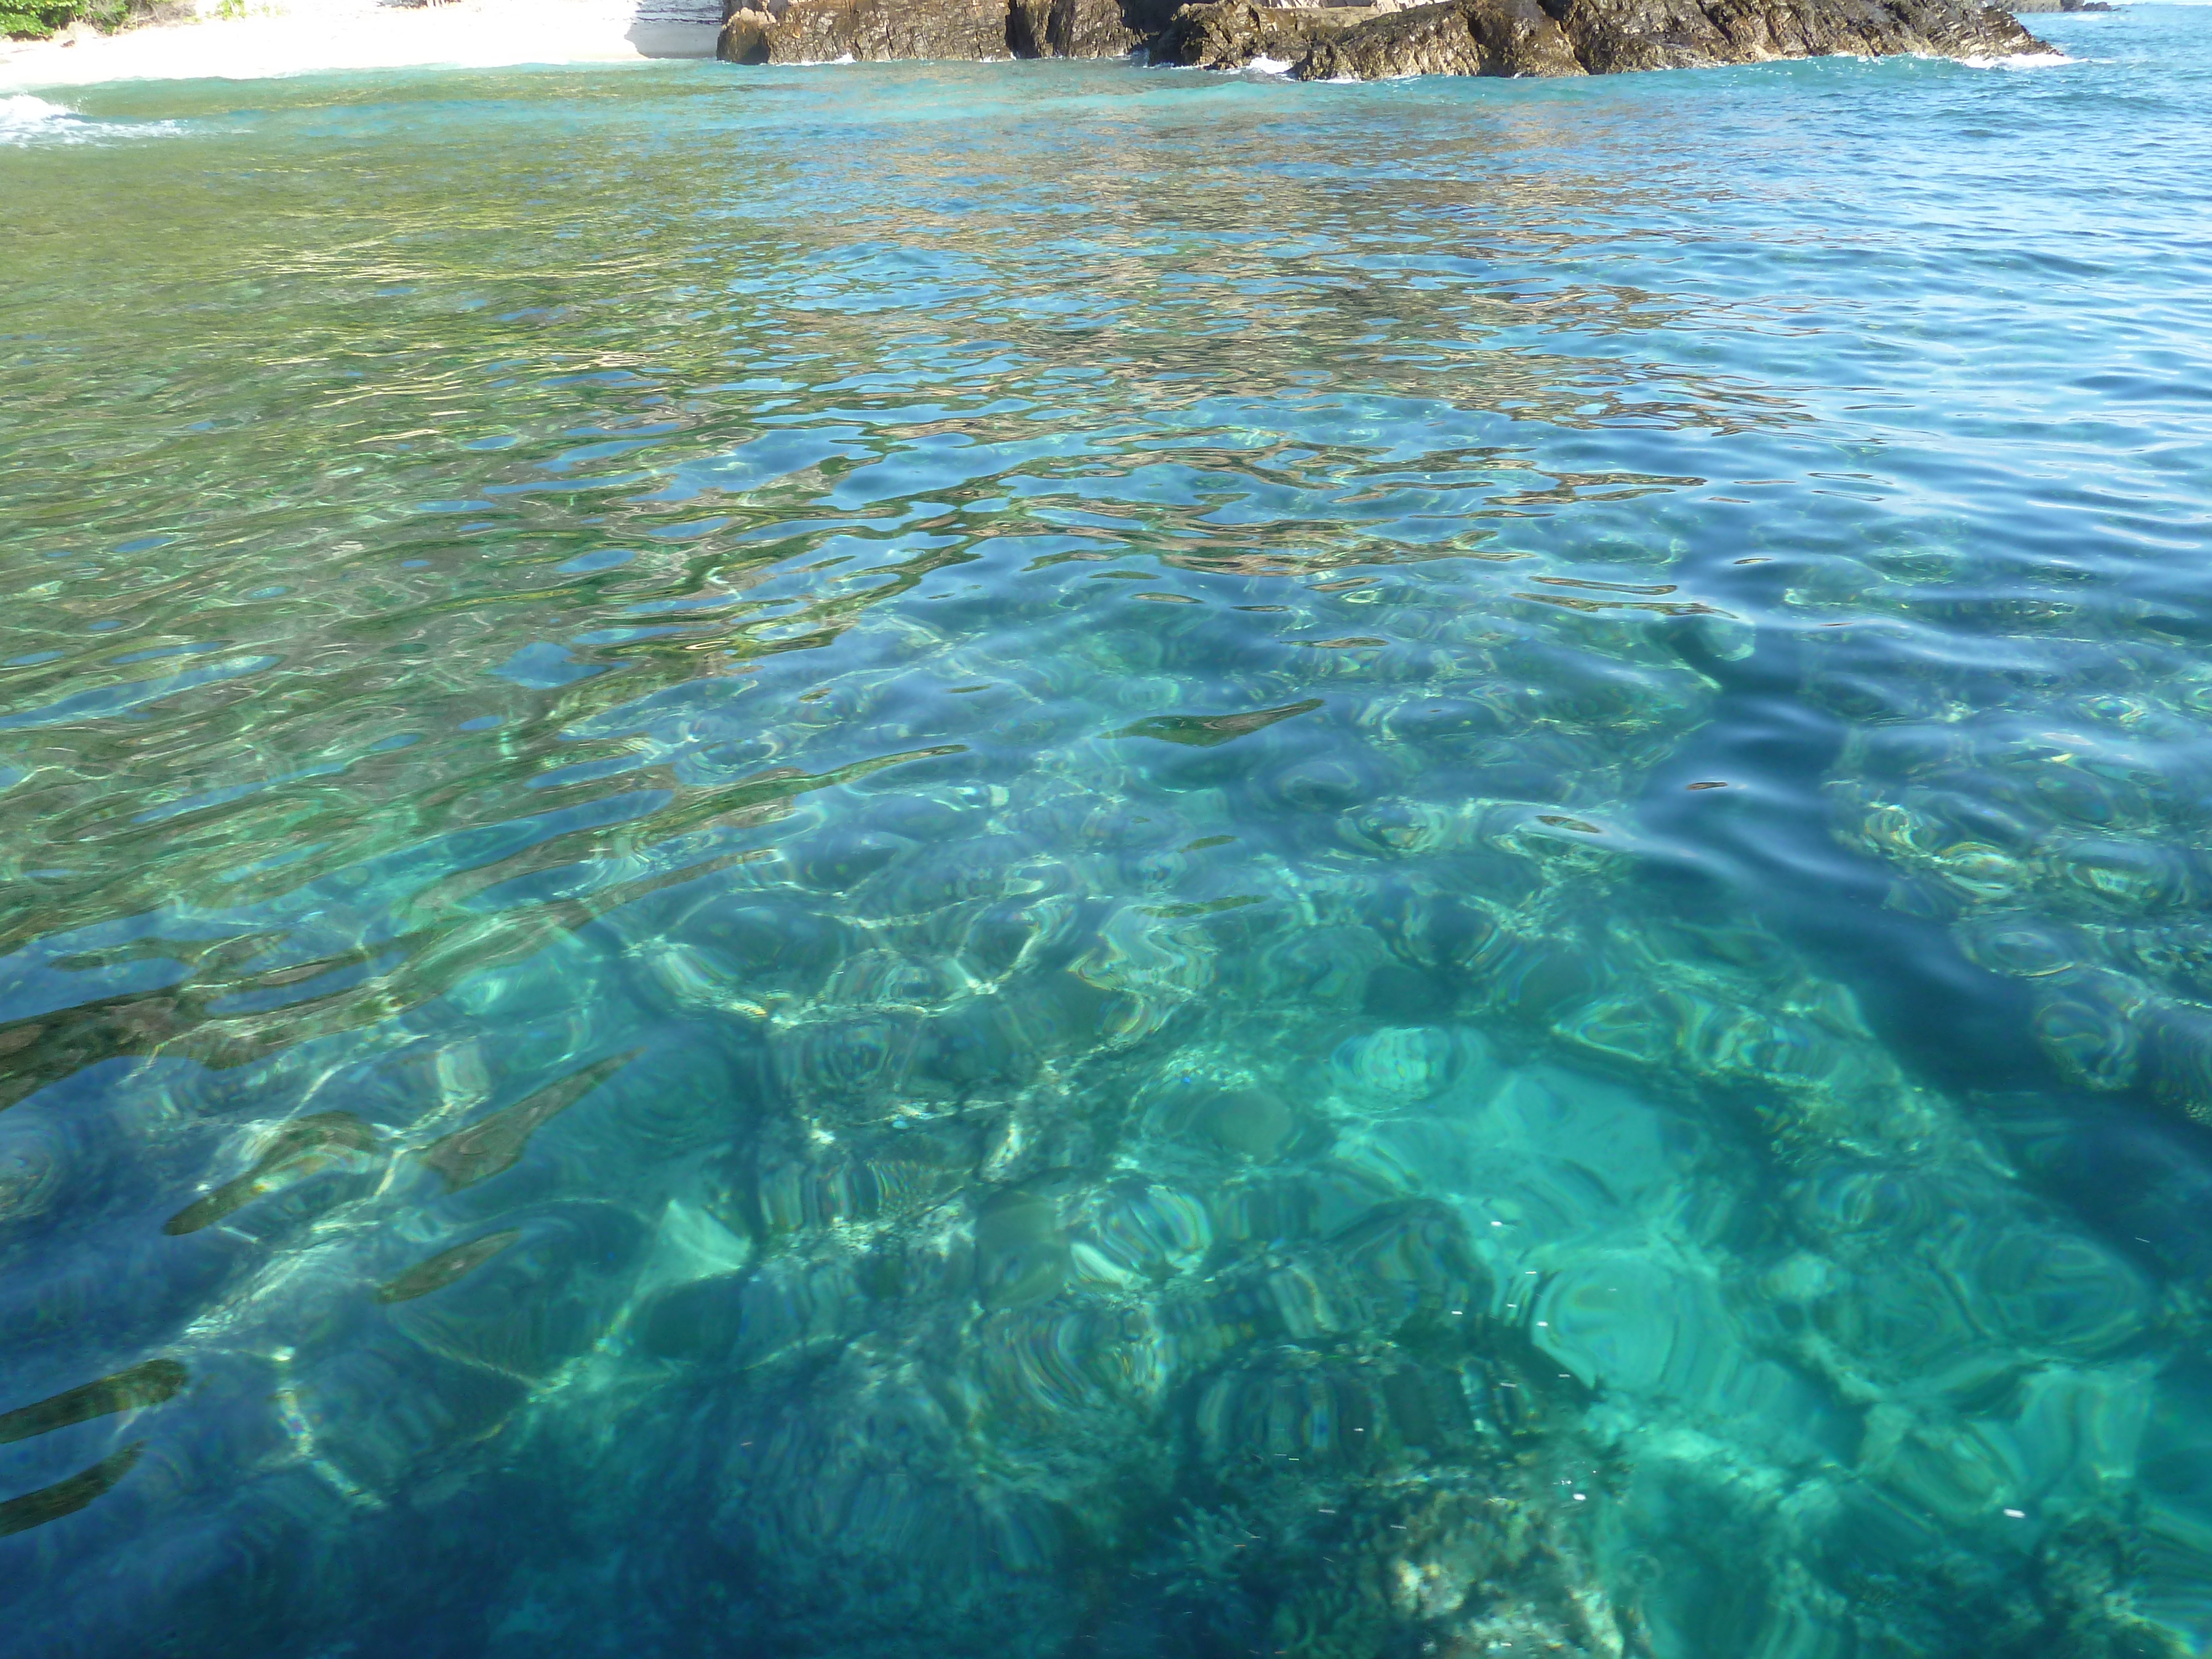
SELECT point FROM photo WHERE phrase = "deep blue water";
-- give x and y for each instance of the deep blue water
(1043, 861)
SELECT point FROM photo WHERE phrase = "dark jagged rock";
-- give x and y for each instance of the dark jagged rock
(1367, 43)
(1612, 35)
(1472, 37)
(1231, 33)
(867, 31)
(1071, 29)
(1577, 37)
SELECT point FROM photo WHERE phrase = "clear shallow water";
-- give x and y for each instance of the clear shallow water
(908, 861)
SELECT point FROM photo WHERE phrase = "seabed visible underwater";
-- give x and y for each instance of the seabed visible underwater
(1058, 863)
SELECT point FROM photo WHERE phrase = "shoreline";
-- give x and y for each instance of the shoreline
(278, 38)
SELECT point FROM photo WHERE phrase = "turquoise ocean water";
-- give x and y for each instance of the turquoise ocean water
(1047, 862)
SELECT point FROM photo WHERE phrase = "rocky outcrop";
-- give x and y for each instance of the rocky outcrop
(824, 31)
(1475, 37)
(1581, 37)
(1074, 28)
(1379, 41)
(1612, 35)
(1235, 32)
(1369, 43)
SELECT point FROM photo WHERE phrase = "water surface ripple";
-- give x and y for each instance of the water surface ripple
(1041, 859)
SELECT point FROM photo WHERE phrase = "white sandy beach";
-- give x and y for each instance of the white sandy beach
(296, 36)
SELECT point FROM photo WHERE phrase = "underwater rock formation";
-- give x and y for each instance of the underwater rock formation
(1441, 1257)
(1376, 42)
(1476, 1228)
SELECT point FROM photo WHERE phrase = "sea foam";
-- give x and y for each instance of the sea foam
(25, 119)
(2018, 60)
(22, 115)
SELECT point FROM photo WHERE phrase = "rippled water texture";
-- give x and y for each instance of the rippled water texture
(1041, 860)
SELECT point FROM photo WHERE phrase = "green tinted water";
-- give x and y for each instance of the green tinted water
(1035, 858)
